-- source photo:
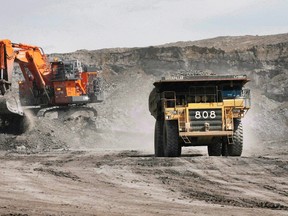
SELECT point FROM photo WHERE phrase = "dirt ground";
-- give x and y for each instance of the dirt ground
(130, 182)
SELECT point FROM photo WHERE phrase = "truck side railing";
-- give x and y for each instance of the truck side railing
(169, 99)
(246, 95)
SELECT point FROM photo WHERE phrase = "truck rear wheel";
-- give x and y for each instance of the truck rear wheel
(215, 149)
(172, 147)
(158, 139)
(235, 149)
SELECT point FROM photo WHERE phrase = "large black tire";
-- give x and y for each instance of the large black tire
(225, 147)
(158, 139)
(215, 149)
(235, 149)
(14, 124)
(172, 147)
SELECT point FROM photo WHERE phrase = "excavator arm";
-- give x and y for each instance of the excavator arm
(33, 59)
(36, 70)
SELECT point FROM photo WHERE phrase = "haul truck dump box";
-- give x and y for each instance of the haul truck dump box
(199, 111)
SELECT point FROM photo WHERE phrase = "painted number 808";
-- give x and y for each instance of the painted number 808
(205, 114)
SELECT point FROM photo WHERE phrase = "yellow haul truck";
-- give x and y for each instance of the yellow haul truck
(199, 111)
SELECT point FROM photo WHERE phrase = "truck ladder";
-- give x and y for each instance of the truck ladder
(186, 139)
(230, 139)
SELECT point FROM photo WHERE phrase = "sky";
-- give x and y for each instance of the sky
(68, 25)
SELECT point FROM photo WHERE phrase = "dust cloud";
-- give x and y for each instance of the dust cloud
(30, 120)
(123, 121)
(253, 145)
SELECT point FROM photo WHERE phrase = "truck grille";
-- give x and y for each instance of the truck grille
(198, 118)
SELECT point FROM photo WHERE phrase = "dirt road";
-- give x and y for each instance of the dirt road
(135, 183)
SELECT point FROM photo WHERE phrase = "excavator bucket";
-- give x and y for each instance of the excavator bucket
(10, 105)
(12, 119)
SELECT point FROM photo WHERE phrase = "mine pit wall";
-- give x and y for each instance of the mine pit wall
(264, 64)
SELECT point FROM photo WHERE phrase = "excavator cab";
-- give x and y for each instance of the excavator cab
(66, 70)
(72, 85)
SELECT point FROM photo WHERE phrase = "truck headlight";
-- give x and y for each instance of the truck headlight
(171, 112)
(229, 126)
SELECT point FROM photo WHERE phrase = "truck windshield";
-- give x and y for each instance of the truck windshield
(230, 92)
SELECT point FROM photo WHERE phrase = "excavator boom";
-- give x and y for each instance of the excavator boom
(7, 57)
(9, 104)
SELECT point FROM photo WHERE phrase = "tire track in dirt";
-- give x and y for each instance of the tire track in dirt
(227, 181)
(129, 183)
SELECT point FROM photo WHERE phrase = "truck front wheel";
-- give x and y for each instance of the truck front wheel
(172, 148)
(235, 149)
(158, 138)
